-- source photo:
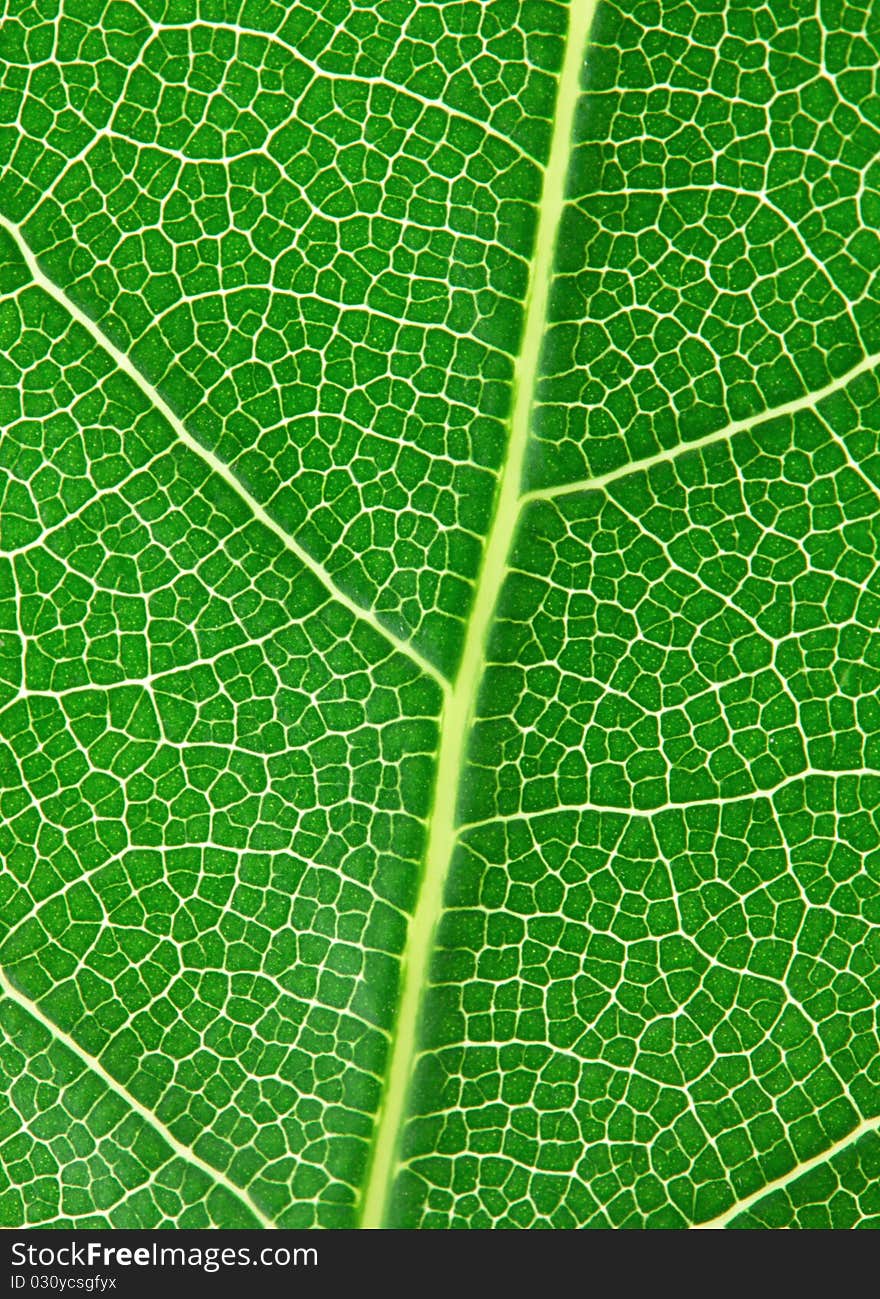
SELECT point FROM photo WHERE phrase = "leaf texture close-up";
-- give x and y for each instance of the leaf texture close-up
(440, 613)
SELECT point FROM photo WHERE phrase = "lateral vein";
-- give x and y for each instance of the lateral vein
(30, 1007)
(460, 703)
(806, 1166)
(645, 813)
(805, 402)
(217, 466)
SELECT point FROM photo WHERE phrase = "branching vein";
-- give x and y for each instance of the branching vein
(807, 1166)
(214, 462)
(807, 401)
(183, 1152)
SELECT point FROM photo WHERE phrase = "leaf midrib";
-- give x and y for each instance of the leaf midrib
(460, 703)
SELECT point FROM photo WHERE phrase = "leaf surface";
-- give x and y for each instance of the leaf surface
(438, 608)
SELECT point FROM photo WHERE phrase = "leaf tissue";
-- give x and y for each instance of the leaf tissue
(439, 607)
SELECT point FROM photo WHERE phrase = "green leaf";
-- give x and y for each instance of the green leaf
(439, 750)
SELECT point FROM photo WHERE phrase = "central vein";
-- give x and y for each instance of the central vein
(459, 706)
